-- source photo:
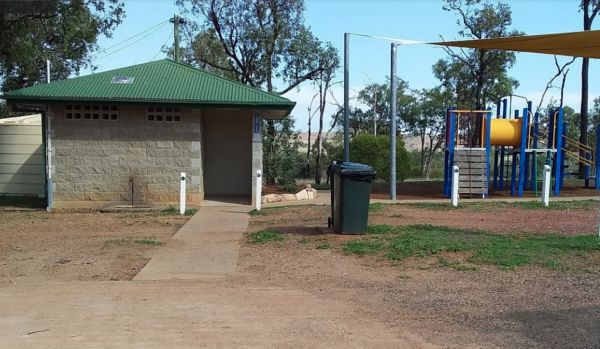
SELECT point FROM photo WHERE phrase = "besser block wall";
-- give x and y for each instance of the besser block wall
(93, 160)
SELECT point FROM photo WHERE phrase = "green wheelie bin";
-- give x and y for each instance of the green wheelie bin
(350, 184)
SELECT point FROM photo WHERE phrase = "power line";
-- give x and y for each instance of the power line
(131, 37)
(160, 49)
(133, 43)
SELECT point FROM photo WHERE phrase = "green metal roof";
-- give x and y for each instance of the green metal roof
(163, 81)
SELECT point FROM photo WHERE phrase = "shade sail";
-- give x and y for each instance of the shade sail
(575, 44)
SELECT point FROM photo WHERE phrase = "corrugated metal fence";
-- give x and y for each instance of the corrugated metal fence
(21, 156)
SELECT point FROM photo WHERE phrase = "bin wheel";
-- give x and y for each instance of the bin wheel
(329, 222)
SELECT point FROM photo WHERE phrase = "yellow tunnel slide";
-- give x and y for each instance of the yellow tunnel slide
(506, 132)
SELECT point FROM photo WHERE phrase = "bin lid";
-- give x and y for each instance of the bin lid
(353, 168)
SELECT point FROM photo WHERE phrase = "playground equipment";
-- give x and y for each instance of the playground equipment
(519, 147)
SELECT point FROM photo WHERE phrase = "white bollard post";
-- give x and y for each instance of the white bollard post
(258, 189)
(455, 177)
(546, 186)
(182, 194)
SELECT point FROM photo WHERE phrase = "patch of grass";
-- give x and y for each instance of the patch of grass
(455, 264)
(149, 241)
(267, 210)
(398, 243)
(174, 211)
(376, 207)
(303, 241)
(264, 236)
(323, 246)
(364, 247)
(526, 205)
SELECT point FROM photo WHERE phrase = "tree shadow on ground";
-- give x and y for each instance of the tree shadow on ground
(564, 328)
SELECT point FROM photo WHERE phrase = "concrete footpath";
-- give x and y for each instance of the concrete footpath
(206, 247)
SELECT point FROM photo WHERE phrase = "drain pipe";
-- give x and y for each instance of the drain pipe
(131, 185)
(182, 194)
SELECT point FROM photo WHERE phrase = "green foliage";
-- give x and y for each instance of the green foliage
(66, 36)
(264, 236)
(280, 152)
(525, 205)
(475, 75)
(376, 97)
(174, 211)
(398, 243)
(428, 123)
(260, 43)
(375, 151)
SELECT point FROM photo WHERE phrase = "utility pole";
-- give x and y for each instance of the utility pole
(176, 20)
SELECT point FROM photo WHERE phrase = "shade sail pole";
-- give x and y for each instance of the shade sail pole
(346, 96)
(394, 88)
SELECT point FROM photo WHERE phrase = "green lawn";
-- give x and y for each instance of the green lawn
(398, 243)
(527, 205)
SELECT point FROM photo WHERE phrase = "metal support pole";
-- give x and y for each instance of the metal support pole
(488, 149)
(522, 153)
(513, 174)
(346, 96)
(496, 152)
(455, 178)
(449, 156)
(558, 171)
(534, 154)
(502, 151)
(597, 160)
(48, 70)
(528, 133)
(394, 89)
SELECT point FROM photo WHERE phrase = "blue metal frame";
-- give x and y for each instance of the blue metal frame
(513, 174)
(488, 148)
(527, 155)
(563, 166)
(449, 156)
(502, 149)
(522, 153)
(534, 145)
(558, 171)
(496, 152)
(597, 159)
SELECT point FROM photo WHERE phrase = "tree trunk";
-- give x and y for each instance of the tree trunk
(422, 169)
(308, 150)
(322, 104)
(585, 69)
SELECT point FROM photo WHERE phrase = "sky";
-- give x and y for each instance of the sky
(421, 20)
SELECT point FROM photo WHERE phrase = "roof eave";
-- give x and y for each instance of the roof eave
(284, 107)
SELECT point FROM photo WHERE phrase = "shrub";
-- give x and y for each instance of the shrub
(375, 151)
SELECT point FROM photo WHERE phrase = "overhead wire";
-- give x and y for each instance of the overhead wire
(148, 32)
(164, 43)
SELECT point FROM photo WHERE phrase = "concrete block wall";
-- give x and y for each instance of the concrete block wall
(94, 162)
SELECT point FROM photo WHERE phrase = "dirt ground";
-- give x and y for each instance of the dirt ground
(485, 308)
(67, 246)
(317, 293)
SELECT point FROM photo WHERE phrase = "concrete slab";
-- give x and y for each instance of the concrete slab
(179, 314)
(206, 247)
